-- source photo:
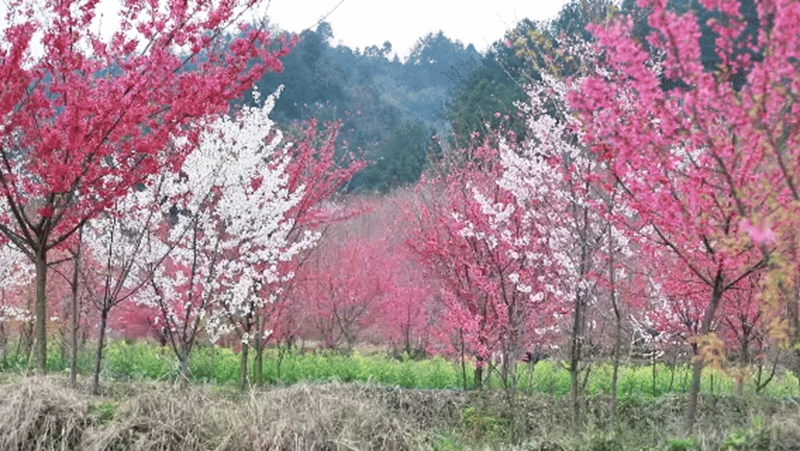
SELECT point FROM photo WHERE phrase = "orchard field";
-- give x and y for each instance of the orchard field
(218, 235)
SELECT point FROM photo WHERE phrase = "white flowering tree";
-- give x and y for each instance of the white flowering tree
(115, 264)
(225, 232)
(574, 206)
(492, 260)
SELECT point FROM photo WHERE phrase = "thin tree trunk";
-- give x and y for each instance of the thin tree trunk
(183, 362)
(694, 392)
(794, 331)
(98, 358)
(615, 373)
(744, 364)
(282, 350)
(575, 360)
(41, 311)
(699, 363)
(612, 275)
(672, 374)
(243, 367)
(258, 361)
(653, 361)
(574, 399)
(3, 343)
(463, 362)
(73, 358)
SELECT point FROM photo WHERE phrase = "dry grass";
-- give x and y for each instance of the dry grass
(43, 414)
(37, 415)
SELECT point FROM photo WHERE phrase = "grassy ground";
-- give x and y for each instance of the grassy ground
(220, 366)
(39, 414)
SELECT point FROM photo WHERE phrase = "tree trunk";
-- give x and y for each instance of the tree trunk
(576, 343)
(243, 367)
(699, 363)
(463, 356)
(744, 364)
(574, 398)
(73, 358)
(258, 359)
(3, 342)
(41, 311)
(612, 276)
(615, 373)
(694, 392)
(478, 379)
(794, 331)
(98, 358)
(653, 361)
(183, 362)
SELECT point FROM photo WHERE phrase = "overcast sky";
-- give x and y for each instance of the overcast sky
(360, 23)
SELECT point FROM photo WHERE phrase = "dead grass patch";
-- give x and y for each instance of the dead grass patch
(40, 415)
(44, 414)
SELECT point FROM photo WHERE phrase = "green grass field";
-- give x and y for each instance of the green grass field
(220, 366)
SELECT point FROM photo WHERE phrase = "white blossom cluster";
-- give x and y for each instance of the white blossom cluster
(15, 270)
(542, 190)
(222, 231)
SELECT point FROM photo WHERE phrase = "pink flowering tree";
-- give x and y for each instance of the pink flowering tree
(705, 154)
(87, 117)
(492, 259)
(342, 286)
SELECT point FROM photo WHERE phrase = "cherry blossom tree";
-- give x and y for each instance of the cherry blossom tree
(320, 166)
(702, 144)
(407, 308)
(226, 231)
(342, 285)
(492, 258)
(91, 117)
(561, 185)
(115, 266)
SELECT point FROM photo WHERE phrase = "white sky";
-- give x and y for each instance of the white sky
(361, 23)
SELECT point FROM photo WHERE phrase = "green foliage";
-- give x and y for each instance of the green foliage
(446, 444)
(482, 424)
(104, 411)
(486, 99)
(682, 444)
(138, 360)
(387, 108)
(399, 159)
(756, 438)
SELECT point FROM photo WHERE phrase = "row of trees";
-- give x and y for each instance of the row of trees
(119, 156)
(652, 189)
(656, 176)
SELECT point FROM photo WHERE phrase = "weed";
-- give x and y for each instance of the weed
(682, 444)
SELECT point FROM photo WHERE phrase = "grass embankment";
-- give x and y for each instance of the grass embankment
(43, 414)
(220, 366)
